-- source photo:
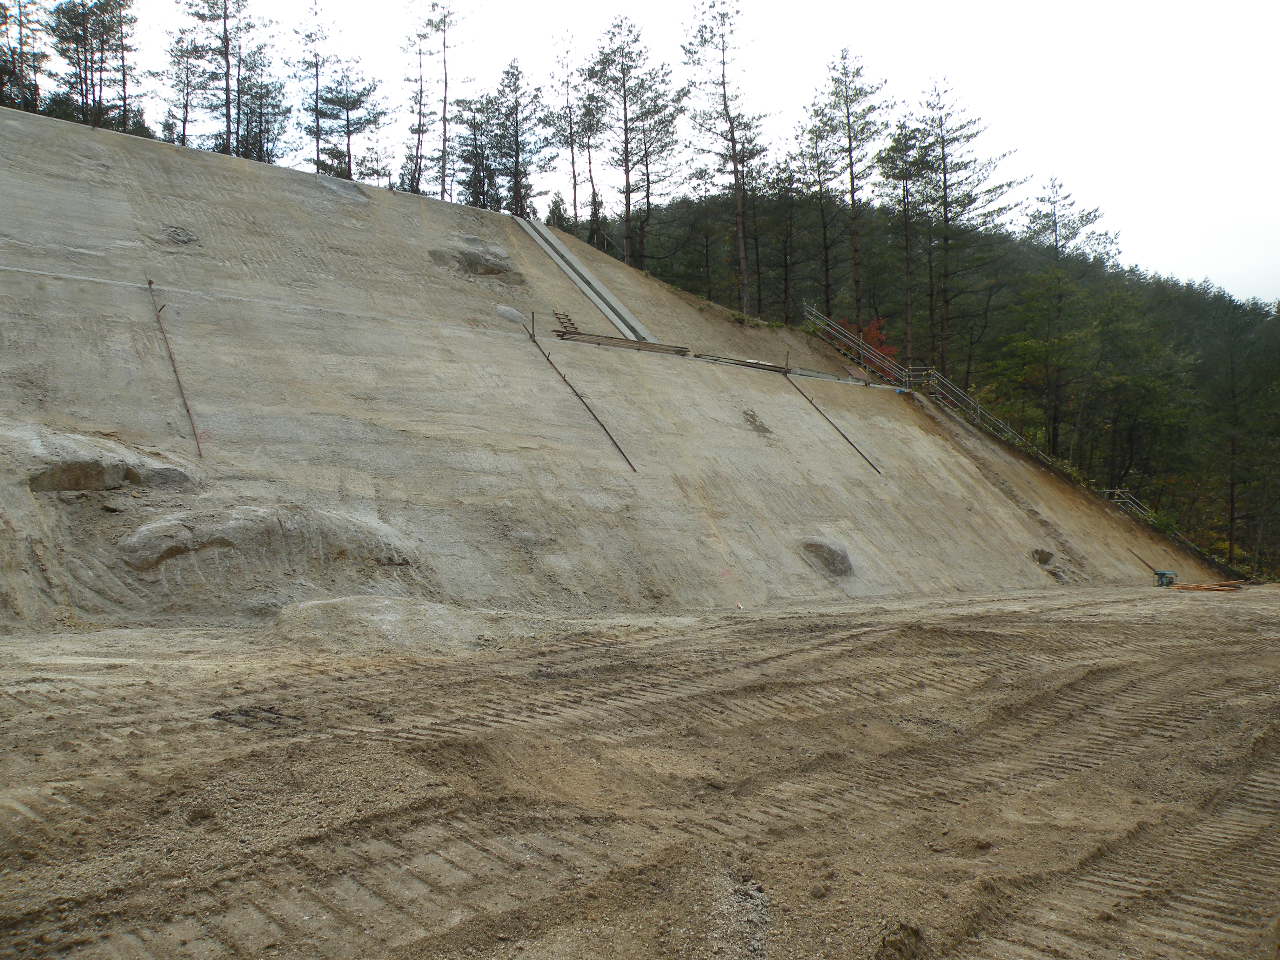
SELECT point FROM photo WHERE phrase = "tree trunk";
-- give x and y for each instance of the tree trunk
(930, 262)
(755, 250)
(855, 225)
(347, 130)
(517, 182)
(787, 234)
(906, 261)
(945, 331)
(124, 78)
(315, 108)
(739, 185)
(419, 129)
(444, 113)
(642, 234)
(186, 101)
(826, 252)
(740, 225)
(226, 73)
(628, 254)
(593, 230)
(239, 129)
(706, 262)
(573, 163)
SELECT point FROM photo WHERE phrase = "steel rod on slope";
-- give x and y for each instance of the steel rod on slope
(581, 399)
(173, 363)
(833, 424)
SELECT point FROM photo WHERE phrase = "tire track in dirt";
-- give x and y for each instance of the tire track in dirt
(389, 851)
(331, 899)
(1202, 889)
(139, 703)
(1105, 715)
(365, 886)
(704, 689)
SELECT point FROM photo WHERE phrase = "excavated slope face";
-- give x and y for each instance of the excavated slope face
(371, 420)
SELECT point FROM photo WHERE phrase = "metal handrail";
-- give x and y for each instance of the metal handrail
(894, 373)
(1126, 499)
(866, 355)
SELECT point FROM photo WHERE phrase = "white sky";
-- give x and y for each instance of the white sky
(1166, 115)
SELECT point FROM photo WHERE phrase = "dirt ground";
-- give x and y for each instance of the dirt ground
(1092, 773)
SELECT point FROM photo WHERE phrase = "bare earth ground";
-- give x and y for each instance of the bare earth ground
(1082, 774)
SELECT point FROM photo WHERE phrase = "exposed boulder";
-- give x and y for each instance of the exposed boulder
(831, 559)
(51, 462)
(277, 527)
(478, 258)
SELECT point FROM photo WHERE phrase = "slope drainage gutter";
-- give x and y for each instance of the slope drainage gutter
(595, 291)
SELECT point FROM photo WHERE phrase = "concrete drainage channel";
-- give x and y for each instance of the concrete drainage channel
(595, 291)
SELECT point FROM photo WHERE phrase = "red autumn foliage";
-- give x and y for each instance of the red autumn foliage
(873, 335)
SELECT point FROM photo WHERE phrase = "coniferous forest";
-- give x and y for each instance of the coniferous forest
(882, 210)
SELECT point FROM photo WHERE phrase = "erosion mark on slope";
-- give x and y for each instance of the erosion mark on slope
(756, 424)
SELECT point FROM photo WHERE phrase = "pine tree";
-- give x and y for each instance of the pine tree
(413, 169)
(221, 27)
(374, 165)
(818, 166)
(442, 162)
(557, 215)
(262, 116)
(94, 41)
(783, 185)
(350, 105)
(311, 72)
(421, 164)
(591, 113)
(22, 54)
(732, 133)
(477, 151)
(618, 74)
(903, 163)
(852, 106)
(1054, 345)
(641, 111)
(965, 205)
(565, 122)
(522, 146)
(126, 22)
(661, 107)
(182, 81)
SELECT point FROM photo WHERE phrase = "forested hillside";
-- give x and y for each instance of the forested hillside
(884, 213)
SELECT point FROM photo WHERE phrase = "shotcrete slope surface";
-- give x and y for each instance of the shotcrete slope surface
(369, 422)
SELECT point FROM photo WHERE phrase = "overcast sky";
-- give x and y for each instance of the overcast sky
(1165, 115)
